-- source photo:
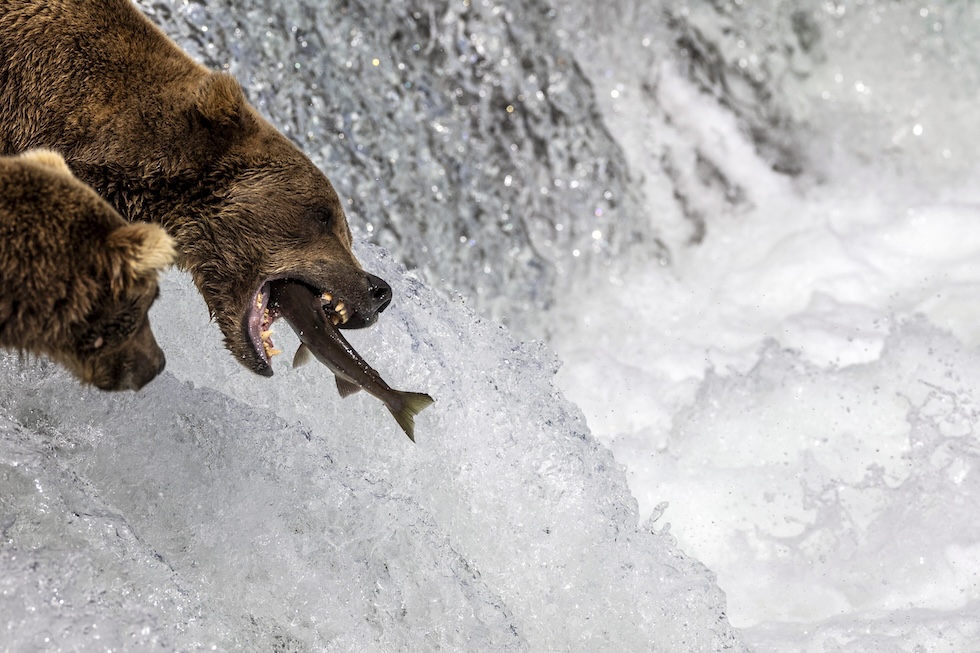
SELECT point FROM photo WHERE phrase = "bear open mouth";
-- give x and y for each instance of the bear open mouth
(262, 314)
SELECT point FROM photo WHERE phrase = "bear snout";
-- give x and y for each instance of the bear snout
(379, 293)
(145, 367)
(367, 302)
(137, 371)
(148, 371)
(134, 364)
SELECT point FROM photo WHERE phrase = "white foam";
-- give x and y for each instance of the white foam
(799, 384)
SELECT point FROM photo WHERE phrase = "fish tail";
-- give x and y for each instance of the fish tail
(411, 404)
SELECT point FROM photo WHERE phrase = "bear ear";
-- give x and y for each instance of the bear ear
(219, 101)
(46, 158)
(137, 249)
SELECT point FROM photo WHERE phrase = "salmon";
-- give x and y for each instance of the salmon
(305, 312)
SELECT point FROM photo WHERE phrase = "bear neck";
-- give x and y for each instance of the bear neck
(164, 199)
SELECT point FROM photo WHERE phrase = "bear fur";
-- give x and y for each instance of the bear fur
(164, 139)
(78, 280)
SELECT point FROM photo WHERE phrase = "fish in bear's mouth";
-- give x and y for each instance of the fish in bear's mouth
(317, 316)
(262, 314)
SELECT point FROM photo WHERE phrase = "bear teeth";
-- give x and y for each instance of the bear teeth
(266, 331)
(340, 314)
(270, 349)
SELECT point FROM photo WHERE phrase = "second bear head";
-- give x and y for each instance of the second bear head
(78, 279)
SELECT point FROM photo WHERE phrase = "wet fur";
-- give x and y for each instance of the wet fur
(166, 140)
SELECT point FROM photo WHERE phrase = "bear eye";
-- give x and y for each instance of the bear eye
(111, 328)
(324, 216)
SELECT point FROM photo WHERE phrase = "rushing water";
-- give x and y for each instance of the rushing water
(811, 171)
(748, 232)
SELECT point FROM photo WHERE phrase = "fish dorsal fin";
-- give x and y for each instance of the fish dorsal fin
(346, 388)
(302, 356)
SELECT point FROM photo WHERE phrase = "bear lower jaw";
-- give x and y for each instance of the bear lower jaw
(262, 313)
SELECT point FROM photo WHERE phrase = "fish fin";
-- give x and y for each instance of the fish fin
(302, 356)
(412, 403)
(346, 388)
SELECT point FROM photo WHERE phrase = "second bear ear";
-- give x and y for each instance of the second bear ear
(46, 158)
(219, 101)
(137, 249)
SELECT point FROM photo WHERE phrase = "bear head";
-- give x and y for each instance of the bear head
(271, 217)
(87, 277)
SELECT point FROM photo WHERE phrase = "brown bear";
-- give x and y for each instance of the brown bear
(166, 140)
(78, 280)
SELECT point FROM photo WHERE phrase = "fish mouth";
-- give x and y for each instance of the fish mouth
(263, 312)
